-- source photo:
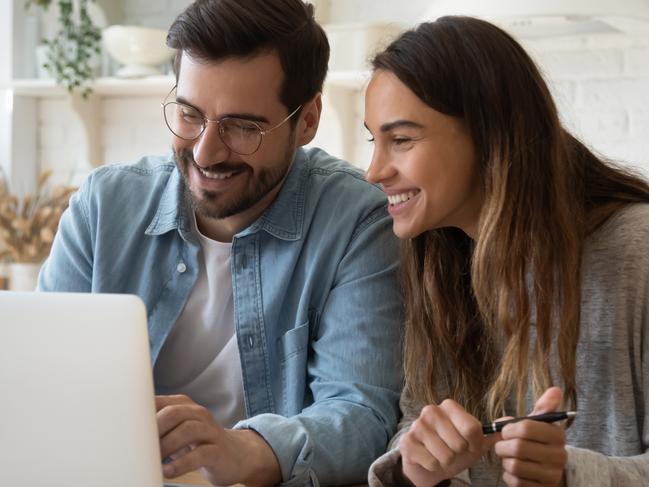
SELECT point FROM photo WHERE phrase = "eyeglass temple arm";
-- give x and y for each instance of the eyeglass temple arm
(264, 132)
(167, 95)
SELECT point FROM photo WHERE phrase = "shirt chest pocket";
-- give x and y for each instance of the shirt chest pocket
(293, 351)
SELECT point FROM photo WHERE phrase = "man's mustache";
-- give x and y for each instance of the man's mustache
(187, 156)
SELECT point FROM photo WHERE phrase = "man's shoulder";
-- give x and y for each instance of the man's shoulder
(333, 178)
(116, 188)
(321, 163)
(145, 172)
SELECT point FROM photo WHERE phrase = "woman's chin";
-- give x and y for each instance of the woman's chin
(404, 231)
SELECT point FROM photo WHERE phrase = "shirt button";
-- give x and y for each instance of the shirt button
(181, 267)
(251, 342)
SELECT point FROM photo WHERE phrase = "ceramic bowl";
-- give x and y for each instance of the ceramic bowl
(140, 50)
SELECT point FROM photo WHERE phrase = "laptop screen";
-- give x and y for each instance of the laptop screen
(77, 404)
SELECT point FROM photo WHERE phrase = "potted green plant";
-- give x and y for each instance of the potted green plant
(73, 50)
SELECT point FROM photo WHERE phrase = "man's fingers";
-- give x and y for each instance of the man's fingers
(170, 416)
(185, 463)
(164, 401)
(185, 435)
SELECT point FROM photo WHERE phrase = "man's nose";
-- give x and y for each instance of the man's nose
(209, 148)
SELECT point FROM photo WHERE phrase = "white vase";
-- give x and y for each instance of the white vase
(23, 276)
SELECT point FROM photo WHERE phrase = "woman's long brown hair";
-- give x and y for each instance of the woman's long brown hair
(486, 318)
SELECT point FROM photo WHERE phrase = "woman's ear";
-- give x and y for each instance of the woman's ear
(307, 126)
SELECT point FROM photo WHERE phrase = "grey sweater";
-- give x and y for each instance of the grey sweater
(608, 444)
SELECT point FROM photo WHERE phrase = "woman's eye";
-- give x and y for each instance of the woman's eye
(371, 140)
(402, 144)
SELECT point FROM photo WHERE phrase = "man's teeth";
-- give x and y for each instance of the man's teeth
(395, 199)
(215, 175)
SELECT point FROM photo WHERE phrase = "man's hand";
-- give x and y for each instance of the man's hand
(534, 453)
(192, 440)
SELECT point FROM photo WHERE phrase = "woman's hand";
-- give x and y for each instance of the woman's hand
(442, 442)
(534, 453)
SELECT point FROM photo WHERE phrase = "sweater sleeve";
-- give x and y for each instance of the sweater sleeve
(587, 467)
(622, 250)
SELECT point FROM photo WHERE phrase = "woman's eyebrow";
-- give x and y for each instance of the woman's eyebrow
(386, 127)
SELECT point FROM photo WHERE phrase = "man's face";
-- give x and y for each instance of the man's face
(221, 182)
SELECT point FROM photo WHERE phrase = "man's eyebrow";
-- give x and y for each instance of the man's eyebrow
(243, 116)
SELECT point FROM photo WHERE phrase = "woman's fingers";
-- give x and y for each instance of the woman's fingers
(549, 401)
(535, 431)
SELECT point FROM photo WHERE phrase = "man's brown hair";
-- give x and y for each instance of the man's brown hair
(215, 30)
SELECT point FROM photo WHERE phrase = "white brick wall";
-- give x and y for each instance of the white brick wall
(602, 92)
(601, 85)
(130, 128)
(154, 13)
(127, 137)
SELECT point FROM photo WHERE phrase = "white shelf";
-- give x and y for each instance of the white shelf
(45, 88)
(153, 85)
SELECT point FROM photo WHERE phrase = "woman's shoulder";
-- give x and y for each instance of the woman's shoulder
(626, 229)
(619, 248)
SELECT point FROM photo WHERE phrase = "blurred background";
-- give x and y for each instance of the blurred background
(593, 53)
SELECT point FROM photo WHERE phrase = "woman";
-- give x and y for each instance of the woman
(526, 267)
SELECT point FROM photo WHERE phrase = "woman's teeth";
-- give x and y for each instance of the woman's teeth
(395, 199)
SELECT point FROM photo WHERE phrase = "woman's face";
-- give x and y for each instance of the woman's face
(424, 160)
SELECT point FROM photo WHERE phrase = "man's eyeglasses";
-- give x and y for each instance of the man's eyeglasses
(240, 136)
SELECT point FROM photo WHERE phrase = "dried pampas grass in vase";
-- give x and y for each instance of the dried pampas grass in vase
(28, 223)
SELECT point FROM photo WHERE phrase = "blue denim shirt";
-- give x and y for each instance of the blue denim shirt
(317, 306)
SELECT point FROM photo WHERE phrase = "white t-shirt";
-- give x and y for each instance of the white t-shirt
(201, 356)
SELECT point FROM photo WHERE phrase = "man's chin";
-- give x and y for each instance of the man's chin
(215, 212)
(205, 207)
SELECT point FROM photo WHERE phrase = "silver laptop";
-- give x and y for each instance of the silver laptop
(76, 392)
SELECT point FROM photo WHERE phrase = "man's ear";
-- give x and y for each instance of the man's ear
(307, 126)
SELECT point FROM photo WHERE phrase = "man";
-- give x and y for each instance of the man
(268, 270)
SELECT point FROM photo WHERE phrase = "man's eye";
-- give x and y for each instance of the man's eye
(244, 127)
(371, 140)
(192, 117)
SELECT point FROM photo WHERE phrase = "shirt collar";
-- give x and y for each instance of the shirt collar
(284, 218)
(173, 211)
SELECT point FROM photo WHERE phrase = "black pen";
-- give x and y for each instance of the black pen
(546, 418)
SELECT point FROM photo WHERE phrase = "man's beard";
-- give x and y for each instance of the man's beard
(219, 205)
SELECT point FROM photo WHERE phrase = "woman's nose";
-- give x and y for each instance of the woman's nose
(378, 170)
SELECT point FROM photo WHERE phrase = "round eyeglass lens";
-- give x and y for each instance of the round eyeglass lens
(184, 121)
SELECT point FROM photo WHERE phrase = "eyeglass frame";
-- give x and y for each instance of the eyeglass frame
(206, 121)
